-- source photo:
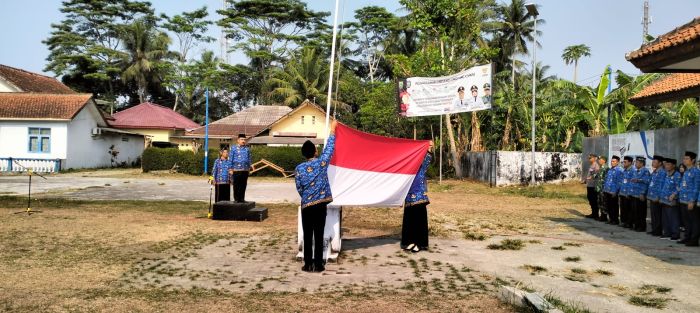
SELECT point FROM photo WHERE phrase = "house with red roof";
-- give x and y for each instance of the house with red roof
(161, 125)
(46, 126)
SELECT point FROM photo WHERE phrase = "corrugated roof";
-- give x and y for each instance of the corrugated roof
(32, 82)
(250, 121)
(20, 105)
(264, 140)
(672, 87)
(152, 116)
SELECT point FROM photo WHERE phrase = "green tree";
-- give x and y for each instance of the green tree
(573, 53)
(190, 30)
(374, 24)
(305, 77)
(85, 46)
(145, 47)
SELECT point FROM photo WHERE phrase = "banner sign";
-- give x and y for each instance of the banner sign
(633, 144)
(466, 91)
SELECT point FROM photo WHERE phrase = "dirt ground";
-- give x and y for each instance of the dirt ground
(160, 256)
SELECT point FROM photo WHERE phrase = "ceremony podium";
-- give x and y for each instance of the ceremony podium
(246, 211)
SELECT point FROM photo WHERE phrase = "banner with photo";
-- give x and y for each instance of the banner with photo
(466, 91)
(633, 144)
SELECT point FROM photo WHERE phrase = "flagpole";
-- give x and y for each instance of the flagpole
(206, 132)
(330, 73)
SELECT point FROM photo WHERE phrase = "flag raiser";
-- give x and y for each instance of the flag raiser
(372, 170)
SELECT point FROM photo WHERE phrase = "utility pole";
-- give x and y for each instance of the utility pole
(646, 20)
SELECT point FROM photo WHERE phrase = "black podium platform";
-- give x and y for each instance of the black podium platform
(245, 211)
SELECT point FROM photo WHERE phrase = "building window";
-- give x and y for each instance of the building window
(40, 140)
(302, 120)
(313, 120)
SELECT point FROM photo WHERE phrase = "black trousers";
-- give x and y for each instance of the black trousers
(592, 196)
(313, 222)
(414, 229)
(222, 192)
(240, 183)
(612, 204)
(638, 218)
(655, 208)
(625, 208)
(694, 221)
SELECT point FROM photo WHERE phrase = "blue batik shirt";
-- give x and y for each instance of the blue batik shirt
(220, 171)
(418, 193)
(613, 180)
(241, 158)
(641, 183)
(689, 186)
(672, 184)
(626, 187)
(312, 177)
(656, 184)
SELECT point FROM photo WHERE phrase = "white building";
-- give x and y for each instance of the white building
(57, 130)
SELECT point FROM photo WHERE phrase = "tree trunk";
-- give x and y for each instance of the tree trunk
(512, 65)
(505, 141)
(456, 154)
(476, 134)
(177, 97)
(575, 70)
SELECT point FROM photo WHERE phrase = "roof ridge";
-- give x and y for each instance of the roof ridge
(28, 72)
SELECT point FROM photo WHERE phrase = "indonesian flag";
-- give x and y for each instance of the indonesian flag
(371, 170)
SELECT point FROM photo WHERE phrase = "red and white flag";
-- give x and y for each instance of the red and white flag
(371, 170)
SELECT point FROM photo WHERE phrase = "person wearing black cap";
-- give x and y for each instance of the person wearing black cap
(600, 181)
(613, 181)
(625, 192)
(688, 196)
(460, 103)
(311, 178)
(670, 221)
(241, 160)
(640, 186)
(487, 94)
(658, 175)
(474, 101)
(590, 182)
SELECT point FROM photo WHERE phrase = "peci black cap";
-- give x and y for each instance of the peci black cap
(641, 159)
(308, 149)
(669, 160)
(614, 157)
(241, 136)
(461, 88)
(658, 158)
(592, 155)
(629, 158)
(691, 154)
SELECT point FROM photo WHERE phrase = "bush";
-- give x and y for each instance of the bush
(154, 159)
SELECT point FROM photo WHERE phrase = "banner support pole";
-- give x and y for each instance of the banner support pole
(440, 181)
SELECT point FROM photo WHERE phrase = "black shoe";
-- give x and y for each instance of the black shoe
(307, 268)
(692, 244)
(319, 268)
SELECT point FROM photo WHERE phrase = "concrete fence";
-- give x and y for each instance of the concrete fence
(503, 168)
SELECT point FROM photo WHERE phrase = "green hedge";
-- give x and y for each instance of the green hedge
(193, 163)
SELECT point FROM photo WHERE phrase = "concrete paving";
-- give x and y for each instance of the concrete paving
(109, 188)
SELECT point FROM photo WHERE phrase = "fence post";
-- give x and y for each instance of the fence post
(57, 165)
(9, 163)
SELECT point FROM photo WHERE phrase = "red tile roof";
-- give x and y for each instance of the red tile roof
(672, 87)
(152, 116)
(32, 82)
(28, 106)
(678, 36)
(250, 121)
(674, 47)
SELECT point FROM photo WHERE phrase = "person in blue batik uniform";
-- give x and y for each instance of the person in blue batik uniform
(241, 159)
(688, 196)
(658, 176)
(611, 187)
(414, 230)
(221, 178)
(311, 178)
(625, 191)
(640, 185)
(669, 201)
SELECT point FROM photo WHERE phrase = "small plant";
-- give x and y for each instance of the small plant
(474, 236)
(507, 244)
(650, 302)
(604, 272)
(572, 259)
(575, 277)
(648, 289)
(578, 270)
(534, 269)
(559, 248)
(534, 241)
(573, 244)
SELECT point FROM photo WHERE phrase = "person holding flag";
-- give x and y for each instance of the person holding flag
(414, 230)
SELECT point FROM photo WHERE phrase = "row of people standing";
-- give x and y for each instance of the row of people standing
(233, 166)
(622, 194)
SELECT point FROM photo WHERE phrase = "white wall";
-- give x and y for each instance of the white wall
(14, 139)
(87, 151)
(5, 87)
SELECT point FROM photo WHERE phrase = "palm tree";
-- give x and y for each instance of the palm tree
(144, 47)
(304, 77)
(514, 28)
(573, 53)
